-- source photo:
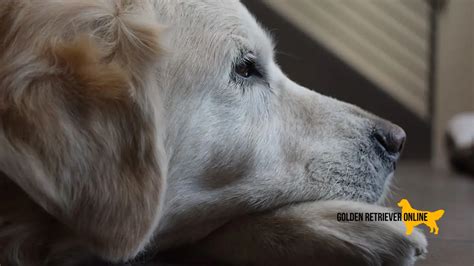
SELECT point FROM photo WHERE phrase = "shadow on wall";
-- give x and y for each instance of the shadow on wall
(312, 65)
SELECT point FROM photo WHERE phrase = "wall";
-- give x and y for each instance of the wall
(454, 87)
(387, 41)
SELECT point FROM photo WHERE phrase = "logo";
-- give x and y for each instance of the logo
(412, 217)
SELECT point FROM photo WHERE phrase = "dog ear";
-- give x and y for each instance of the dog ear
(79, 117)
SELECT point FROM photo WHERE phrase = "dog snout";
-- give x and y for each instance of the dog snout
(390, 137)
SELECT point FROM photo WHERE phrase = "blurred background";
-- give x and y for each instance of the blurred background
(411, 62)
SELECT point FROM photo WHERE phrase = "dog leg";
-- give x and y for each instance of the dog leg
(410, 228)
(309, 233)
(432, 227)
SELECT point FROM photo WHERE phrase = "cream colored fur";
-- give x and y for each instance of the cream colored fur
(126, 130)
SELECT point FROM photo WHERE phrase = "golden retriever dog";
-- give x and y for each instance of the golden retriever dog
(134, 129)
(413, 217)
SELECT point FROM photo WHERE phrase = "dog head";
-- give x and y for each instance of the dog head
(122, 132)
(403, 203)
(243, 137)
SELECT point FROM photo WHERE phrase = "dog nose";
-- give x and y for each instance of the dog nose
(390, 136)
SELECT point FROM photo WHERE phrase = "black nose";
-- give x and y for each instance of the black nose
(390, 136)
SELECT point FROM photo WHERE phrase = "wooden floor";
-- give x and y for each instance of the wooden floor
(429, 189)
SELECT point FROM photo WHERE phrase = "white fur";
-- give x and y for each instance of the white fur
(232, 157)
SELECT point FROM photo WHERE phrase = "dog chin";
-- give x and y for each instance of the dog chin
(386, 189)
(370, 192)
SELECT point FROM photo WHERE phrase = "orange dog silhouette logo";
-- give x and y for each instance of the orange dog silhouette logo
(412, 217)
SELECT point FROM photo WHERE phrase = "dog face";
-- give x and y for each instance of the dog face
(403, 203)
(122, 133)
(243, 137)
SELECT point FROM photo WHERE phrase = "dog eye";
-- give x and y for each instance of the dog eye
(247, 67)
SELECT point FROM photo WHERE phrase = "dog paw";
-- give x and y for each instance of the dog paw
(417, 246)
(309, 233)
(359, 242)
(420, 243)
(390, 244)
